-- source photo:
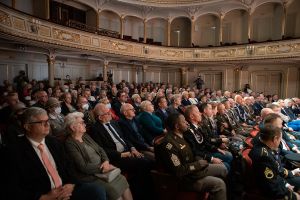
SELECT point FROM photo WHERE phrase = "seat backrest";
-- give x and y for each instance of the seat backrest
(248, 142)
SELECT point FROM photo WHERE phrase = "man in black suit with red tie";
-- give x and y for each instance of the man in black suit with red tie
(36, 165)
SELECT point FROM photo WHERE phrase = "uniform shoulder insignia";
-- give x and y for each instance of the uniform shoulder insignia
(175, 160)
(264, 152)
(269, 173)
(285, 172)
(169, 146)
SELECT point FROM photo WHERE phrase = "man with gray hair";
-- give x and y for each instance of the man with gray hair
(37, 167)
(133, 132)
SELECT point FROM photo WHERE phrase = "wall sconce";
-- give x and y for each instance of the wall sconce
(250, 49)
(34, 25)
(196, 53)
(146, 50)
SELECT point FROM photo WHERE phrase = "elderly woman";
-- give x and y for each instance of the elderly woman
(152, 125)
(89, 159)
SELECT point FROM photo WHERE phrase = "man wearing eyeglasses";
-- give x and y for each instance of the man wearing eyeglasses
(36, 165)
(120, 151)
(132, 131)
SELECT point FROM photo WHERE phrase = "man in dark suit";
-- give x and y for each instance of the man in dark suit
(133, 132)
(36, 165)
(121, 99)
(120, 151)
(161, 112)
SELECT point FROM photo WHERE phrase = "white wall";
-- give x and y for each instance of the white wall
(235, 26)
(183, 38)
(109, 20)
(293, 19)
(134, 27)
(266, 22)
(25, 6)
(91, 18)
(158, 30)
(207, 29)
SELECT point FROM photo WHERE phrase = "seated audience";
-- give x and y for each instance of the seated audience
(121, 153)
(42, 99)
(36, 165)
(177, 158)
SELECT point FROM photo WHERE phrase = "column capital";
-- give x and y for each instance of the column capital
(106, 62)
(222, 15)
(51, 58)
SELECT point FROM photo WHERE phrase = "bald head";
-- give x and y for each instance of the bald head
(265, 111)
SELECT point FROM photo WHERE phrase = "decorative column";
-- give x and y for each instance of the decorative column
(121, 27)
(284, 5)
(221, 28)
(169, 32)
(13, 3)
(184, 79)
(145, 67)
(98, 19)
(105, 66)
(249, 25)
(47, 8)
(51, 65)
(145, 31)
(192, 29)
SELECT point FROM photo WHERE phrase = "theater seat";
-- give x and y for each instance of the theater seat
(251, 190)
(248, 142)
(167, 187)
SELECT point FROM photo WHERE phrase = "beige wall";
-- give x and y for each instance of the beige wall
(263, 77)
(109, 20)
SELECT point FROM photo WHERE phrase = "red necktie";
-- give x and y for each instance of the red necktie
(50, 168)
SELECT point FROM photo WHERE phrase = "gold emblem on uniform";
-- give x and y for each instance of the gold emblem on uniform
(269, 173)
(285, 172)
(169, 146)
(175, 160)
(192, 167)
(264, 151)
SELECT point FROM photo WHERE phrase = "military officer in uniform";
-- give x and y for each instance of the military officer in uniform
(177, 158)
(269, 173)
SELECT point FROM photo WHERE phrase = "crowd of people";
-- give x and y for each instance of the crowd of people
(57, 141)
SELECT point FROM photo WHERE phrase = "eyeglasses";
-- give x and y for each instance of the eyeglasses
(130, 109)
(42, 122)
(107, 113)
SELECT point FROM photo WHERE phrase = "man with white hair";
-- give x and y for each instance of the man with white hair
(133, 132)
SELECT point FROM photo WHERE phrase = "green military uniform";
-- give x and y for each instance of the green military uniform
(176, 156)
(269, 173)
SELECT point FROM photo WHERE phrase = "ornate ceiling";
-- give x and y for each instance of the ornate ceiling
(170, 9)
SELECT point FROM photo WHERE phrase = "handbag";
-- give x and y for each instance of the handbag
(109, 176)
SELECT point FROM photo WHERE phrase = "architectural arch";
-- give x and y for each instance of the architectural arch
(266, 22)
(181, 32)
(207, 30)
(157, 29)
(109, 20)
(292, 26)
(235, 27)
(133, 27)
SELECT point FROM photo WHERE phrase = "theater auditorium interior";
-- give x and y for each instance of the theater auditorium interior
(150, 99)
